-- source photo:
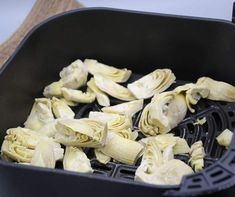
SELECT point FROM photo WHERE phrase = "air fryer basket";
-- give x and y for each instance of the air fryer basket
(190, 47)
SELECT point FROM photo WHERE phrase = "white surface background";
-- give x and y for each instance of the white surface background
(13, 12)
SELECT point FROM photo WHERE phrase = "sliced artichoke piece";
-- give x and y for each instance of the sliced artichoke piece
(101, 157)
(121, 149)
(159, 170)
(117, 123)
(76, 160)
(61, 109)
(197, 154)
(101, 97)
(19, 144)
(110, 72)
(153, 83)
(127, 108)
(44, 155)
(53, 89)
(193, 93)
(113, 89)
(81, 132)
(164, 113)
(219, 91)
(181, 146)
(75, 75)
(78, 95)
(40, 114)
(225, 138)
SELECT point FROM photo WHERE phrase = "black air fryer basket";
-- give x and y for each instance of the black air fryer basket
(142, 42)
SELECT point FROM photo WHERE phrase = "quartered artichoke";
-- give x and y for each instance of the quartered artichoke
(101, 97)
(219, 91)
(117, 123)
(53, 89)
(40, 114)
(225, 138)
(76, 160)
(113, 89)
(193, 93)
(61, 109)
(109, 72)
(75, 75)
(121, 149)
(197, 154)
(44, 155)
(127, 108)
(81, 132)
(101, 157)
(78, 96)
(165, 112)
(153, 83)
(19, 144)
(179, 145)
(159, 169)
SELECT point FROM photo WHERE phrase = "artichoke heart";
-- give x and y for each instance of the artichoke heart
(117, 123)
(110, 72)
(75, 75)
(127, 108)
(101, 157)
(76, 160)
(53, 89)
(165, 112)
(193, 93)
(78, 95)
(113, 89)
(121, 149)
(44, 155)
(160, 169)
(101, 97)
(41, 114)
(225, 138)
(155, 82)
(219, 91)
(197, 154)
(61, 109)
(81, 132)
(19, 144)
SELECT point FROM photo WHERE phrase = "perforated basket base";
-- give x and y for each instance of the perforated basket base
(219, 116)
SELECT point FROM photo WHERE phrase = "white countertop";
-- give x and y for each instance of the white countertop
(13, 12)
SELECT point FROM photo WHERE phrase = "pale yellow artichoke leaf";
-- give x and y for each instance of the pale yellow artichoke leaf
(127, 108)
(101, 157)
(44, 155)
(219, 91)
(53, 89)
(48, 129)
(113, 89)
(78, 96)
(225, 138)
(155, 82)
(168, 153)
(123, 150)
(41, 114)
(69, 103)
(61, 109)
(197, 155)
(181, 146)
(81, 132)
(75, 75)
(101, 97)
(110, 72)
(76, 160)
(201, 121)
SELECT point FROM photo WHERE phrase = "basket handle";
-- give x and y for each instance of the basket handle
(41, 10)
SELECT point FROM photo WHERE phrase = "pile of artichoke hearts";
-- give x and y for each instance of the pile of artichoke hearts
(51, 122)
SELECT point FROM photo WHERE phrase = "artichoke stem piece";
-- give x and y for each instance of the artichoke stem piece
(121, 149)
